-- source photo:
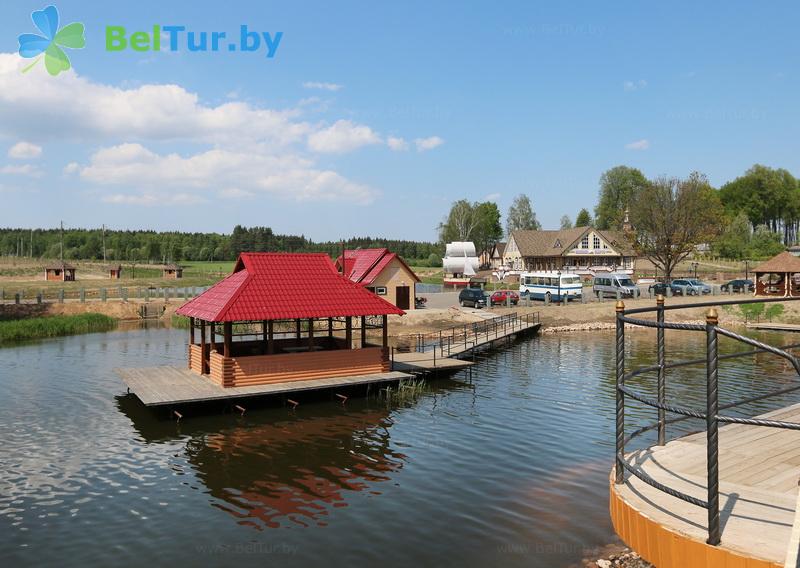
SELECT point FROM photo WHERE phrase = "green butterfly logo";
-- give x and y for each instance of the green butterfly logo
(51, 42)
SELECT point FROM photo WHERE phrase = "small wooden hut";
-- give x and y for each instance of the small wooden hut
(173, 271)
(115, 272)
(285, 317)
(60, 271)
(779, 276)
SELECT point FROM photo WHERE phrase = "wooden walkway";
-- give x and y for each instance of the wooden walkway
(158, 386)
(759, 473)
(767, 326)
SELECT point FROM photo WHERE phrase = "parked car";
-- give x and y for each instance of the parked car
(420, 301)
(689, 287)
(609, 284)
(501, 297)
(472, 297)
(658, 288)
(740, 285)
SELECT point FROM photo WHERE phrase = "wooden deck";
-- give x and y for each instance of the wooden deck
(158, 386)
(759, 473)
(767, 326)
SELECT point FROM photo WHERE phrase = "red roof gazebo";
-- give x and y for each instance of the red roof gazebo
(285, 317)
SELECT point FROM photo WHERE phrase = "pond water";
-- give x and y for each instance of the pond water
(509, 468)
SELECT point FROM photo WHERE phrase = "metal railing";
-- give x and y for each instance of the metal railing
(464, 336)
(711, 415)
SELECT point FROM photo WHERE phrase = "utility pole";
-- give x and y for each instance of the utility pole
(31, 251)
(62, 242)
(104, 243)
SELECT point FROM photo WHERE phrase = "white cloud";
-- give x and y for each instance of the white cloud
(424, 144)
(286, 177)
(24, 170)
(235, 193)
(642, 144)
(323, 86)
(397, 144)
(71, 168)
(24, 151)
(153, 200)
(342, 136)
(492, 197)
(634, 85)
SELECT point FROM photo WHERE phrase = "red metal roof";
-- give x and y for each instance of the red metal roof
(272, 286)
(364, 265)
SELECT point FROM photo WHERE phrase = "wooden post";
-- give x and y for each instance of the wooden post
(363, 331)
(330, 327)
(311, 334)
(266, 337)
(348, 332)
(227, 330)
(203, 364)
(191, 331)
(213, 336)
(271, 338)
(298, 329)
(386, 331)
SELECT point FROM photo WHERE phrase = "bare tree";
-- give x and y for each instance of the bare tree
(671, 217)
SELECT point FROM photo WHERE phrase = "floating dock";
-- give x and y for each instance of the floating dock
(759, 469)
(165, 385)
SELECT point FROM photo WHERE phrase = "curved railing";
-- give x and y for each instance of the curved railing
(711, 413)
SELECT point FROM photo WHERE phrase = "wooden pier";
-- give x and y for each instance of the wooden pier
(160, 386)
(759, 472)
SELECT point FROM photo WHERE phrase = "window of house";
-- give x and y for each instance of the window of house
(585, 242)
(380, 290)
(596, 242)
(558, 244)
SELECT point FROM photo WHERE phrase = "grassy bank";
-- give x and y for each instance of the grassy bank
(53, 326)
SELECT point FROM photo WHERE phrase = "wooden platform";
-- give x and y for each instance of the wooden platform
(759, 473)
(157, 386)
(767, 326)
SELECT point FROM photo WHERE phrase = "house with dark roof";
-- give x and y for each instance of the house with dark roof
(294, 317)
(779, 276)
(114, 271)
(492, 257)
(583, 250)
(60, 271)
(172, 271)
(381, 272)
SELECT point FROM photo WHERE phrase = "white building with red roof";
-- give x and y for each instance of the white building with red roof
(285, 317)
(383, 273)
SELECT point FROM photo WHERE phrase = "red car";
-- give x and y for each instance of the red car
(500, 297)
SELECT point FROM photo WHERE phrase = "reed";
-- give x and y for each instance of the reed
(12, 331)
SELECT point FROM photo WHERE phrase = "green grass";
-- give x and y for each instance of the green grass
(39, 328)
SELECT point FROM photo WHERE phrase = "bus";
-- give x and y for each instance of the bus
(550, 285)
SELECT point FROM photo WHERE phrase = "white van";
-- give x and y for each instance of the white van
(610, 284)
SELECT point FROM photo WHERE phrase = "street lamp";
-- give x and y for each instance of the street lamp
(747, 270)
(558, 275)
(694, 265)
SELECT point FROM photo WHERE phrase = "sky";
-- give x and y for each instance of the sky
(371, 118)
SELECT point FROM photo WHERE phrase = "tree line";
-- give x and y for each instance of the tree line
(172, 246)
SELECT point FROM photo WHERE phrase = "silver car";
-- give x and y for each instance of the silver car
(689, 287)
(610, 284)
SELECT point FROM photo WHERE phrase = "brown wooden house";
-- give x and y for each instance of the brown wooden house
(383, 273)
(779, 276)
(173, 271)
(115, 272)
(285, 317)
(60, 271)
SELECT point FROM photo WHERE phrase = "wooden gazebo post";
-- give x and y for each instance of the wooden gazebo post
(330, 327)
(297, 322)
(385, 331)
(191, 331)
(363, 331)
(271, 337)
(227, 331)
(203, 364)
(348, 332)
(311, 334)
(266, 337)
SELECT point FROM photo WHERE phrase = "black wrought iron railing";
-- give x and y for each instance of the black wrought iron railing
(449, 340)
(711, 414)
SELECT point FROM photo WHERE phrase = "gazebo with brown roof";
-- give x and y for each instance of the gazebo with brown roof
(60, 271)
(285, 317)
(779, 276)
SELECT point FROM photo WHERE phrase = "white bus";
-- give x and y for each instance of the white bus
(551, 285)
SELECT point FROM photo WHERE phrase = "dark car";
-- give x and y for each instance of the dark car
(740, 285)
(689, 287)
(658, 288)
(501, 297)
(472, 297)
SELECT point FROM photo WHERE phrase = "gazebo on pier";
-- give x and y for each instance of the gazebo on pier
(779, 276)
(285, 317)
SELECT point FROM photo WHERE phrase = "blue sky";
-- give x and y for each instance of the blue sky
(372, 118)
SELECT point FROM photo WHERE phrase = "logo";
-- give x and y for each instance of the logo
(176, 38)
(51, 41)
